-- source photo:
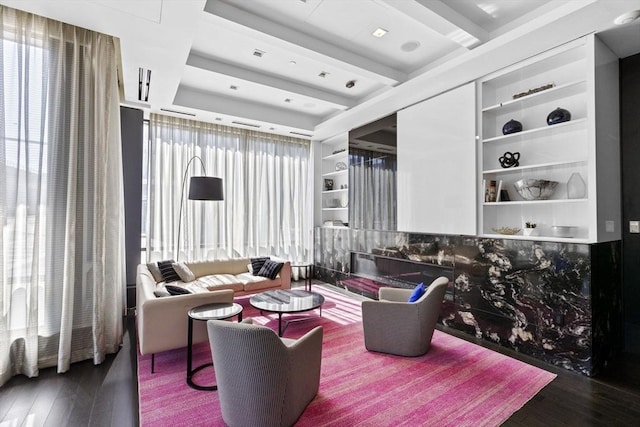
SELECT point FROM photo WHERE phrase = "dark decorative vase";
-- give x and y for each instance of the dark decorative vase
(558, 115)
(512, 126)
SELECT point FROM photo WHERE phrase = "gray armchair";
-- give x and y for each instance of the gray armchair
(263, 380)
(395, 326)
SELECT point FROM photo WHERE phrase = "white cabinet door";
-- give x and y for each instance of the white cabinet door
(437, 164)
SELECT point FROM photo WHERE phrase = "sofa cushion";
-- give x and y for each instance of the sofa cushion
(155, 271)
(185, 273)
(259, 285)
(257, 263)
(227, 266)
(161, 292)
(220, 281)
(270, 269)
(167, 271)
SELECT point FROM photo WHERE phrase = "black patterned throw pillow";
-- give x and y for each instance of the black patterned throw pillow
(257, 263)
(270, 269)
(177, 290)
(168, 272)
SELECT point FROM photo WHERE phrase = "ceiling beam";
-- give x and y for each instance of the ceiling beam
(442, 19)
(244, 110)
(220, 67)
(302, 44)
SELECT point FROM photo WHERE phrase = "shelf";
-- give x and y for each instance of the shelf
(548, 93)
(530, 167)
(535, 238)
(524, 133)
(335, 209)
(535, 202)
(334, 173)
(339, 190)
(336, 155)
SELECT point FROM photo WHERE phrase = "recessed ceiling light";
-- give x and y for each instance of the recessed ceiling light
(410, 46)
(259, 53)
(287, 100)
(627, 17)
(233, 87)
(323, 74)
(379, 32)
(292, 62)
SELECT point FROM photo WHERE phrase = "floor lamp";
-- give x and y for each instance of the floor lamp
(200, 188)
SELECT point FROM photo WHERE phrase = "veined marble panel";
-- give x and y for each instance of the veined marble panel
(551, 300)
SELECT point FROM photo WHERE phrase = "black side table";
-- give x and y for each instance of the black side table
(307, 268)
(214, 311)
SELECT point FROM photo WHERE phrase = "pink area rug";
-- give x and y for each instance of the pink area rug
(456, 384)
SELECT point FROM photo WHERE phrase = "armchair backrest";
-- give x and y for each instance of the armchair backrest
(430, 305)
(261, 380)
(251, 366)
(435, 292)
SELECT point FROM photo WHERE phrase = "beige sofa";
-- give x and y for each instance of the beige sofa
(162, 321)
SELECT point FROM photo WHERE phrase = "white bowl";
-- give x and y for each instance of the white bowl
(563, 230)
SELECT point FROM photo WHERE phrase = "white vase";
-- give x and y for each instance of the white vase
(576, 188)
(528, 231)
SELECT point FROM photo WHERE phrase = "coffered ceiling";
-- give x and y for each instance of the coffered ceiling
(314, 67)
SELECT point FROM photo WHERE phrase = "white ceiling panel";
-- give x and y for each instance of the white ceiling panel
(198, 49)
(249, 91)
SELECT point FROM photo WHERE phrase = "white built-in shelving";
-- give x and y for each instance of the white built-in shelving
(335, 182)
(552, 152)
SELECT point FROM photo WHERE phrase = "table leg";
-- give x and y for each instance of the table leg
(191, 372)
(279, 324)
(307, 283)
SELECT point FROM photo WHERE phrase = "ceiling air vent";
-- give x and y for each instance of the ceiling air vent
(253, 125)
(301, 134)
(177, 112)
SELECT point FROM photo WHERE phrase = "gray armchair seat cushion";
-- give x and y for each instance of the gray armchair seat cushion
(263, 380)
(395, 326)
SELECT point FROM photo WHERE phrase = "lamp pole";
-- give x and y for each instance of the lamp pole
(201, 188)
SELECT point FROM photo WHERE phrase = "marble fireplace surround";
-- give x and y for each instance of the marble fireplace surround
(558, 302)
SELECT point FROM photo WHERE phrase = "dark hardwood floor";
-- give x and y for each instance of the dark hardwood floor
(86, 395)
(107, 394)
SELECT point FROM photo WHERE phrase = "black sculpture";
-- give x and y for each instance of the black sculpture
(509, 159)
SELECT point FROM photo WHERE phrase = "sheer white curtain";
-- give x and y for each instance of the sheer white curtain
(373, 206)
(266, 208)
(61, 199)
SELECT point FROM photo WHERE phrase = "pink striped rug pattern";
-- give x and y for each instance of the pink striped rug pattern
(456, 384)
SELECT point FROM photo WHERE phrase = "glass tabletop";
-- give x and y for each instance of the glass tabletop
(215, 311)
(286, 301)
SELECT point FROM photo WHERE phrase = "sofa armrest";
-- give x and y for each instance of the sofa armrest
(162, 322)
(285, 275)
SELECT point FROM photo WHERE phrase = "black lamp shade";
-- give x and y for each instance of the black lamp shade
(205, 188)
